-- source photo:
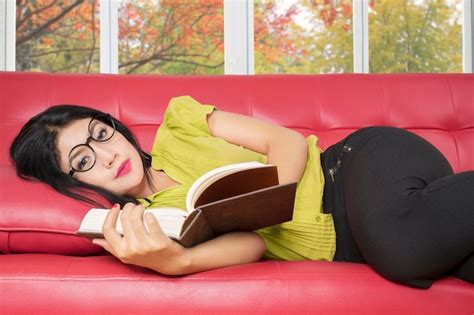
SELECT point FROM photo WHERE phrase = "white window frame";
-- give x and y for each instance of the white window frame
(109, 36)
(467, 36)
(7, 35)
(238, 36)
(360, 37)
(3, 26)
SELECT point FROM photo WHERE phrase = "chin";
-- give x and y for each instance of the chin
(134, 184)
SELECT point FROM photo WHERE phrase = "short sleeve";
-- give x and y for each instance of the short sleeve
(186, 115)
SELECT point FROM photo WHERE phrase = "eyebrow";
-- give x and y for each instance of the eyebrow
(69, 158)
(72, 157)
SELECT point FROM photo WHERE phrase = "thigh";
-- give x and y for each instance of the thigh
(386, 166)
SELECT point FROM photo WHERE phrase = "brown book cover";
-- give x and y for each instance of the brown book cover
(239, 183)
(247, 212)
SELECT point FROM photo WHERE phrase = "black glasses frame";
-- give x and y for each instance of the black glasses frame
(109, 121)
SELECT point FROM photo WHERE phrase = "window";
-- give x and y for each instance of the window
(260, 36)
(303, 36)
(415, 36)
(57, 36)
(172, 37)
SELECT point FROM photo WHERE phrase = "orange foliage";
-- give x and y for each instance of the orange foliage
(48, 41)
(271, 32)
(330, 10)
(175, 27)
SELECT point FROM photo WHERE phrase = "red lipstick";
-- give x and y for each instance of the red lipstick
(124, 168)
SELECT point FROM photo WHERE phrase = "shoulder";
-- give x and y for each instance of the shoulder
(185, 114)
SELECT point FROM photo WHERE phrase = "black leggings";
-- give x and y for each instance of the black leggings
(398, 206)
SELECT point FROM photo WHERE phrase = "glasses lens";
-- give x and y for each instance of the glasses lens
(101, 128)
(82, 158)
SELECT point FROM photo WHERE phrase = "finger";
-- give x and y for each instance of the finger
(128, 231)
(154, 227)
(105, 245)
(136, 219)
(109, 228)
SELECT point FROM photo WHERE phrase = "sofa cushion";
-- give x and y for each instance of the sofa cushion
(100, 285)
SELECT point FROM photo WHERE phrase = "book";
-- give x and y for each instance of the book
(237, 197)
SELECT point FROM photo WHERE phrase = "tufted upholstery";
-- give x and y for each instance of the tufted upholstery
(42, 255)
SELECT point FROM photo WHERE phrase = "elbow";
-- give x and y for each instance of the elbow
(261, 247)
(299, 144)
(302, 142)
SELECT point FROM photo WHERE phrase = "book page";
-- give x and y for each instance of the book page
(170, 219)
(208, 178)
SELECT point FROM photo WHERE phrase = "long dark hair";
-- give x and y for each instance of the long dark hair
(35, 155)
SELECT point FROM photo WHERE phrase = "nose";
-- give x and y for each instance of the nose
(105, 155)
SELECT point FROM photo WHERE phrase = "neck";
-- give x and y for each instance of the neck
(146, 189)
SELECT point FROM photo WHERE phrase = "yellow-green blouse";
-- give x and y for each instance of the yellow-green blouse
(185, 149)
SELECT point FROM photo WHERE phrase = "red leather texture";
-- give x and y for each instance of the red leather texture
(37, 233)
(102, 285)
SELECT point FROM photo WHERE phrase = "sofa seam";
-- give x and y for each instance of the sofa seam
(452, 104)
(9, 251)
(282, 276)
(452, 131)
(457, 151)
(384, 107)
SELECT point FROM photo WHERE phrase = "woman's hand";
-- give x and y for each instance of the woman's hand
(153, 249)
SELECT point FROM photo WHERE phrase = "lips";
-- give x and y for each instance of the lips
(124, 168)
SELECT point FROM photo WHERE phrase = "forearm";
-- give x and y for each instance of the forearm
(289, 154)
(226, 250)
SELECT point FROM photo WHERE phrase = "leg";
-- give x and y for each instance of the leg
(411, 217)
(465, 270)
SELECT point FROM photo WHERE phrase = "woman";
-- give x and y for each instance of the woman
(390, 197)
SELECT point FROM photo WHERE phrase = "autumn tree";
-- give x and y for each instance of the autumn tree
(186, 37)
(276, 38)
(167, 36)
(170, 36)
(57, 36)
(404, 37)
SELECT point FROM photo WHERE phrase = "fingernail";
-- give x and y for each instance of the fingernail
(116, 205)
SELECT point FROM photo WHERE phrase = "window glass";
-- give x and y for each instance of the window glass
(171, 37)
(303, 36)
(57, 36)
(415, 36)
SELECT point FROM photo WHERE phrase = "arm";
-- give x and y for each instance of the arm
(285, 148)
(154, 250)
(229, 249)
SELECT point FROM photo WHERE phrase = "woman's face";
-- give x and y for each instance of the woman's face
(110, 155)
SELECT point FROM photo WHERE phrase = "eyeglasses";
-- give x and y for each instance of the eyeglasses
(82, 157)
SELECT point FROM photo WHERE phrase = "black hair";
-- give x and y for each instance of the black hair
(35, 155)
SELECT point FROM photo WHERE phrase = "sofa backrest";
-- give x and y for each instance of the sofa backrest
(438, 107)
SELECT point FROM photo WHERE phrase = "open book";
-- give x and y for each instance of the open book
(237, 197)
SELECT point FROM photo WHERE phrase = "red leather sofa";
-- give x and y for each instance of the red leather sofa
(46, 268)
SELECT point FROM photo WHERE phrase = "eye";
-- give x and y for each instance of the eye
(102, 134)
(82, 163)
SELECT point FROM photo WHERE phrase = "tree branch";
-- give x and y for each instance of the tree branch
(91, 55)
(57, 51)
(44, 27)
(27, 16)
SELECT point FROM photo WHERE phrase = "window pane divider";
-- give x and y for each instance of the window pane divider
(109, 36)
(360, 25)
(7, 35)
(467, 36)
(238, 37)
